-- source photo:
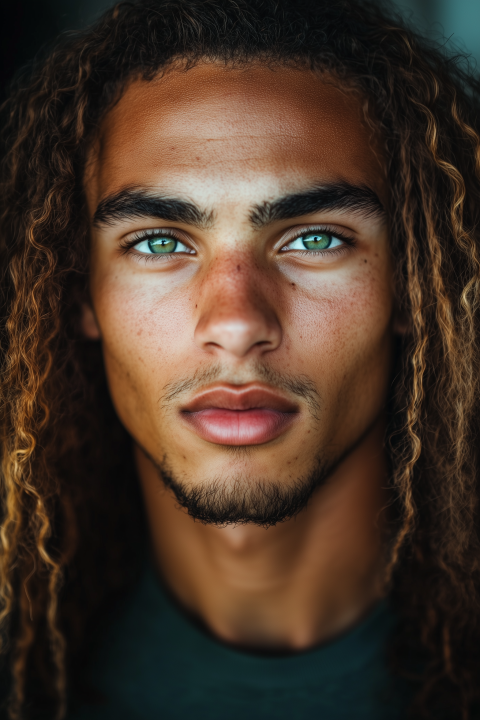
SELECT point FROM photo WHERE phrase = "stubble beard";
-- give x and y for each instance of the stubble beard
(241, 500)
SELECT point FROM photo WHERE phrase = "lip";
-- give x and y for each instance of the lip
(229, 415)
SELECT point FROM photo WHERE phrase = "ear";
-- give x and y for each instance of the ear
(88, 323)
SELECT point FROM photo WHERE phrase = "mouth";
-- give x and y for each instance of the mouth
(232, 415)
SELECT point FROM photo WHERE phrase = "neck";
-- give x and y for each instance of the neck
(286, 587)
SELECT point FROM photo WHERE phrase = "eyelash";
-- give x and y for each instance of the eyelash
(128, 245)
(349, 241)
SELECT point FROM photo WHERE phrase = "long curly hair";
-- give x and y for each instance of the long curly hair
(71, 530)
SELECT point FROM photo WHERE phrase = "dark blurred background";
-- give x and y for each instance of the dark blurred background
(28, 25)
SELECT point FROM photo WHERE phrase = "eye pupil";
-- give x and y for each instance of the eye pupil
(317, 241)
(162, 245)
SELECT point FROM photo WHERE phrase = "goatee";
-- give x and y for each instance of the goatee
(242, 500)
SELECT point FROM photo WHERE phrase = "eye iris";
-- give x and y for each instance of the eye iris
(317, 241)
(162, 245)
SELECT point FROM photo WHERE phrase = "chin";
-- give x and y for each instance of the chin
(241, 498)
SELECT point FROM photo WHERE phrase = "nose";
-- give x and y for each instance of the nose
(236, 318)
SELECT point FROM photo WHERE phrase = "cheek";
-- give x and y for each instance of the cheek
(341, 336)
(141, 340)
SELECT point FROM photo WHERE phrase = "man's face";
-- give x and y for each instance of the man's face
(241, 279)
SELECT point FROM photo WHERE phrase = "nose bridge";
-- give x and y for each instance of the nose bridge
(236, 316)
(234, 281)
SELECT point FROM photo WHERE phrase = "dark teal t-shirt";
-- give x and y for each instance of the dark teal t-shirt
(154, 663)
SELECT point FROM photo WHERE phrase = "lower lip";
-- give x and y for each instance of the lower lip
(239, 427)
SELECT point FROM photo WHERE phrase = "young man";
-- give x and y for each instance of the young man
(256, 223)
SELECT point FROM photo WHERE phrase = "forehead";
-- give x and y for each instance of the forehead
(224, 128)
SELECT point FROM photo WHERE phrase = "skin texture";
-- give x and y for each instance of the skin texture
(236, 307)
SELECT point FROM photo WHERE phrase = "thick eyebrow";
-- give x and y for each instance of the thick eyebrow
(136, 203)
(339, 196)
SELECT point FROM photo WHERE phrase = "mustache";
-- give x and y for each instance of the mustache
(301, 386)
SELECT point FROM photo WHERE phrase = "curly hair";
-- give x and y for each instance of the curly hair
(71, 526)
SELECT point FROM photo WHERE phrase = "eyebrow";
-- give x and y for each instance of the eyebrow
(136, 203)
(339, 196)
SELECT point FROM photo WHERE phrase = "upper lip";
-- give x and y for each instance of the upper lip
(234, 397)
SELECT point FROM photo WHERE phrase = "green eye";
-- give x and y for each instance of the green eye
(316, 241)
(162, 245)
